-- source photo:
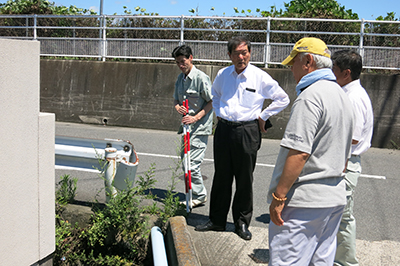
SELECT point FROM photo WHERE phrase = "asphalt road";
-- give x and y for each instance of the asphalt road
(377, 196)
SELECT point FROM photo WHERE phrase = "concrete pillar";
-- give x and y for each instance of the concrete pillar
(27, 216)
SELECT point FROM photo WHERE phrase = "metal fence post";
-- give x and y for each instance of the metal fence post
(74, 36)
(182, 40)
(27, 26)
(362, 39)
(104, 52)
(267, 49)
(34, 27)
(100, 37)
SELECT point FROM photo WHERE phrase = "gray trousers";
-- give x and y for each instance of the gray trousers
(198, 146)
(307, 237)
(346, 237)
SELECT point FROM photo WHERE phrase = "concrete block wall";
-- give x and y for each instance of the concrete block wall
(27, 214)
(140, 95)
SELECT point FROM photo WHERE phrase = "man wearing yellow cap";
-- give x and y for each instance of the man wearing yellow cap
(307, 192)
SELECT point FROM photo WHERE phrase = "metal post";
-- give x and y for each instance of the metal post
(362, 39)
(104, 38)
(267, 49)
(182, 41)
(74, 36)
(110, 171)
(125, 37)
(34, 27)
(100, 37)
(27, 27)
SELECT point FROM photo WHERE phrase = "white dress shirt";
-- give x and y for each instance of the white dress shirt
(363, 114)
(240, 97)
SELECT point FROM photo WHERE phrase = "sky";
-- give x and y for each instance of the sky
(367, 9)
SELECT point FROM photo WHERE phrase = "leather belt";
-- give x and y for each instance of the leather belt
(232, 123)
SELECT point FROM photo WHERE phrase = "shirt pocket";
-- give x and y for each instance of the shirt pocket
(249, 96)
(194, 99)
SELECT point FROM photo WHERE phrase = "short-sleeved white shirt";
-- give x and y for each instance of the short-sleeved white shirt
(320, 124)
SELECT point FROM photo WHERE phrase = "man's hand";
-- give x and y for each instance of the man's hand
(188, 119)
(181, 109)
(261, 125)
(294, 164)
(275, 212)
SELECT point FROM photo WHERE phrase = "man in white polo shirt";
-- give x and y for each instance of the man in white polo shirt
(347, 66)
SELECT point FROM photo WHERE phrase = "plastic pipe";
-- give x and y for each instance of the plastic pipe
(158, 247)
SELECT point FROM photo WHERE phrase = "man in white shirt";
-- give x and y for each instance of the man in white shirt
(238, 93)
(347, 66)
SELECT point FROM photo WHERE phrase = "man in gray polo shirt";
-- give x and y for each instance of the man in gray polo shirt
(195, 86)
(307, 191)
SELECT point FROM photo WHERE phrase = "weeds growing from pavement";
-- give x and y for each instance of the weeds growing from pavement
(66, 190)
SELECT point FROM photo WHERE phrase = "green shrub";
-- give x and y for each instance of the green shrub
(119, 230)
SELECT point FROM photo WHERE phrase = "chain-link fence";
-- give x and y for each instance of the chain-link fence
(154, 37)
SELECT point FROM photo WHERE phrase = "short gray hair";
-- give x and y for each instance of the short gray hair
(320, 60)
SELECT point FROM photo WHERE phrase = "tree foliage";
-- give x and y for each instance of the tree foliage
(323, 9)
(317, 9)
(384, 28)
(42, 7)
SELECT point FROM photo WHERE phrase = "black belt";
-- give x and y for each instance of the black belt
(240, 123)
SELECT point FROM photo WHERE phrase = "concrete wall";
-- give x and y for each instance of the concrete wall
(140, 95)
(27, 214)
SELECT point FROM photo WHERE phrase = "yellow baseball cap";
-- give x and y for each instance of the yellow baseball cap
(307, 45)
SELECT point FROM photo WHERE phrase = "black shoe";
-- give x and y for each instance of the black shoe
(209, 226)
(243, 232)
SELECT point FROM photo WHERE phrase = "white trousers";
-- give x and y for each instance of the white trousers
(307, 237)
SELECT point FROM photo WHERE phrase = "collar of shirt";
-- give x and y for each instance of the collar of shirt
(191, 73)
(349, 86)
(243, 73)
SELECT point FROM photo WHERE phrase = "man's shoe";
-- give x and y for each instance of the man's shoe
(196, 202)
(243, 232)
(209, 226)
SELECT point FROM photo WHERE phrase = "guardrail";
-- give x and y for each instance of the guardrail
(116, 159)
(154, 37)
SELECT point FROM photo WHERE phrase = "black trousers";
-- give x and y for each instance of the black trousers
(235, 154)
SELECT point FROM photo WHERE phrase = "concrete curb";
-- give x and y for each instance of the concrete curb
(179, 245)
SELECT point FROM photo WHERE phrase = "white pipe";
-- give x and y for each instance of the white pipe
(109, 174)
(158, 247)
